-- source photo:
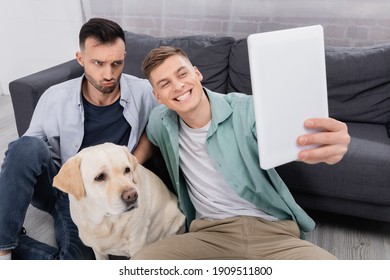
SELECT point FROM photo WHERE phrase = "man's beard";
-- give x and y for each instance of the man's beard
(101, 88)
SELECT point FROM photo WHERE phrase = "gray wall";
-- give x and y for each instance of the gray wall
(346, 22)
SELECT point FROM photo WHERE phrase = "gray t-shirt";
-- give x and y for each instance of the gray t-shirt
(209, 192)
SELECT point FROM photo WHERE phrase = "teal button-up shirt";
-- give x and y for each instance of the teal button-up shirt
(232, 144)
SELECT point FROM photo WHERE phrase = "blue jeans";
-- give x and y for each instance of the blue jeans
(26, 177)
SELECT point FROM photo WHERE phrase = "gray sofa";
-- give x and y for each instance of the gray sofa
(359, 93)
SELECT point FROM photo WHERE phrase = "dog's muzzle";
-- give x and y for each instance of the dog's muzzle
(129, 197)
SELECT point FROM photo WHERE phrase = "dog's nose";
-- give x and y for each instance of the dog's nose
(130, 196)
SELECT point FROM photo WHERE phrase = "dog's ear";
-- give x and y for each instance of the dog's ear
(69, 178)
(134, 163)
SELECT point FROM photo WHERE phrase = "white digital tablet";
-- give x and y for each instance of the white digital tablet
(288, 76)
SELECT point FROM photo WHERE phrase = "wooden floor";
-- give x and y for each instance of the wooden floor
(347, 238)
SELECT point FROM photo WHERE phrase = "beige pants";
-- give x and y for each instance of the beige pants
(235, 238)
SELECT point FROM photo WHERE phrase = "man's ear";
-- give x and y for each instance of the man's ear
(200, 76)
(79, 58)
(69, 178)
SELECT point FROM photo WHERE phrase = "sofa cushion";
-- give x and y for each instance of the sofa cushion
(359, 83)
(239, 74)
(210, 54)
(365, 168)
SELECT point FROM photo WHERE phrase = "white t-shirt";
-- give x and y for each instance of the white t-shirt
(210, 194)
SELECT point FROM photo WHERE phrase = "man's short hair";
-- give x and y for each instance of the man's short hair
(157, 56)
(102, 30)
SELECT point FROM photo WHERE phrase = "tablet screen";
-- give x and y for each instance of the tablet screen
(288, 79)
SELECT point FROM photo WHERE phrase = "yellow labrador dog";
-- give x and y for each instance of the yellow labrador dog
(118, 205)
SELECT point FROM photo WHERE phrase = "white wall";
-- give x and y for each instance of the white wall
(36, 34)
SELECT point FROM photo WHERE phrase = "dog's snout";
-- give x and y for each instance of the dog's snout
(130, 196)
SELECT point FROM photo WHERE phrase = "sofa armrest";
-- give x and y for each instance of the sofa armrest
(26, 91)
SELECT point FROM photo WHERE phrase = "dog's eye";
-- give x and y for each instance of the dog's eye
(100, 177)
(127, 170)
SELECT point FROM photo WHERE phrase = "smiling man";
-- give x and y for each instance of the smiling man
(235, 209)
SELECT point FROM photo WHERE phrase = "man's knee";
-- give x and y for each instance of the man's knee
(27, 143)
(165, 249)
(145, 253)
(26, 148)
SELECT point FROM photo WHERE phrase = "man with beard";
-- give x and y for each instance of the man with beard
(103, 105)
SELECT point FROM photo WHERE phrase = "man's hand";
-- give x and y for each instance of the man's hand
(144, 149)
(332, 137)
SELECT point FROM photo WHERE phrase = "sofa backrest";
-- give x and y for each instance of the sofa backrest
(239, 74)
(359, 83)
(26, 91)
(358, 80)
(209, 53)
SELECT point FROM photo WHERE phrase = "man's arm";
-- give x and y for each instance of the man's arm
(333, 139)
(144, 150)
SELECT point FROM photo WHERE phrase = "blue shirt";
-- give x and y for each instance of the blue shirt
(104, 124)
(58, 117)
(232, 144)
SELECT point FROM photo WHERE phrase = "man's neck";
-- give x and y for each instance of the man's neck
(200, 116)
